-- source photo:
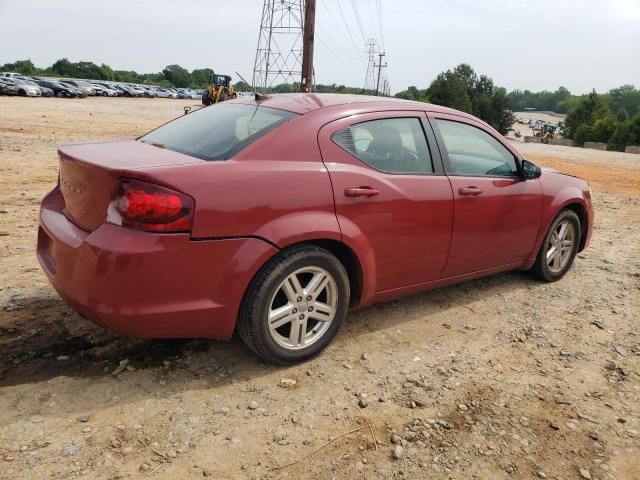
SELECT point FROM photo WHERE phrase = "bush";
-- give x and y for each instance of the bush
(593, 120)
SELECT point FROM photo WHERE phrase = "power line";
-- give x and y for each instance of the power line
(343, 60)
(346, 24)
(349, 41)
(373, 21)
(358, 20)
(379, 3)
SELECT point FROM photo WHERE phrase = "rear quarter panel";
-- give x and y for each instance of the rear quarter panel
(276, 189)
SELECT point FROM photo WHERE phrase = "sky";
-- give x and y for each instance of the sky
(535, 45)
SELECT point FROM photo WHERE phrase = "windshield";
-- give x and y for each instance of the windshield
(217, 132)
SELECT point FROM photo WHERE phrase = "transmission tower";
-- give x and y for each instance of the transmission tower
(370, 77)
(280, 43)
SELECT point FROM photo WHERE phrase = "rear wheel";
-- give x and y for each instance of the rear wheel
(559, 247)
(295, 305)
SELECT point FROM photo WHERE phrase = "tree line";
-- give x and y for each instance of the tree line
(463, 89)
(612, 118)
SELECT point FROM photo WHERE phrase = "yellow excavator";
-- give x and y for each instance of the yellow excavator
(219, 90)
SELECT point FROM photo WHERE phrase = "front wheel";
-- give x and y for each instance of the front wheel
(559, 247)
(295, 305)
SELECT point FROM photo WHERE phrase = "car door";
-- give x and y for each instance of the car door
(390, 189)
(497, 213)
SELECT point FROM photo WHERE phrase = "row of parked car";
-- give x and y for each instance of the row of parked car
(16, 84)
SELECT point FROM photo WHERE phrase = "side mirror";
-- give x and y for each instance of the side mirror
(530, 170)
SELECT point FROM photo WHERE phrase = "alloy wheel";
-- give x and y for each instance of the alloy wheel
(302, 308)
(560, 246)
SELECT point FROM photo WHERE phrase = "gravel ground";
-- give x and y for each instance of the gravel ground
(502, 377)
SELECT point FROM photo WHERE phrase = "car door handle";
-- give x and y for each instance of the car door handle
(470, 191)
(361, 192)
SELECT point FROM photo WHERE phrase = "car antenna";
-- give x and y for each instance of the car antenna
(258, 96)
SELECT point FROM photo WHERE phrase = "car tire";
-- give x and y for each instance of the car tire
(559, 247)
(22, 93)
(266, 296)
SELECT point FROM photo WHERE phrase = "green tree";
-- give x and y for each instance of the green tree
(462, 89)
(451, 91)
(106, 72)
(178, 76)
(25, 67)
(585, 113)
(626, 98)
(200, 77)
(62, 68)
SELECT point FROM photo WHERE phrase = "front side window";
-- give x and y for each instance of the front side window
(473, 152)
(393, 145)
(217, 132)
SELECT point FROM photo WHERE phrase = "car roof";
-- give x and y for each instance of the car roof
(302, 103)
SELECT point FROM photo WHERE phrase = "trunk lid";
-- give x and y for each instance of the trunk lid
(89, 173)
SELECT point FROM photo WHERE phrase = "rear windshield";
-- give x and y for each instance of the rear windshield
(217, 132)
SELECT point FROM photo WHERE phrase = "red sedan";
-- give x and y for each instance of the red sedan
(274, 216)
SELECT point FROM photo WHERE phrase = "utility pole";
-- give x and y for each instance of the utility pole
(279, 51)
(306, 82)
(379, 65)
(369, 78)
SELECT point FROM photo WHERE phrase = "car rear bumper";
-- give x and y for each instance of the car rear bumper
(145, 284)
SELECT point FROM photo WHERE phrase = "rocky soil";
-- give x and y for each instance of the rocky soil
(499, 378)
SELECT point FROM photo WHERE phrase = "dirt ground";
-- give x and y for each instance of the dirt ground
(502, 377)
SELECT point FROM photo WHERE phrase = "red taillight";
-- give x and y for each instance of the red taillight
(146, 206)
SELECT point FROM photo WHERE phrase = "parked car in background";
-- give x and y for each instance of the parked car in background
(44, 91)
(9, 74)
(186, 93)
(128, 91)
(86, 87)
(111, 86)
(138, 89)
(25, 89)
(81, 93)
(104, 91)
(162, 93)
(166, 93)
(7, 88)
(150, 92)
(59, 89)
(174, 235)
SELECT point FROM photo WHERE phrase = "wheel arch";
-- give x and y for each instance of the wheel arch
(350, 262)
(581, 211)
(552, 210)
(357, 269)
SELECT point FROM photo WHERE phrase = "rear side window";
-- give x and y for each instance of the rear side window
(474, 152)
(393, 145)
(217, 132)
